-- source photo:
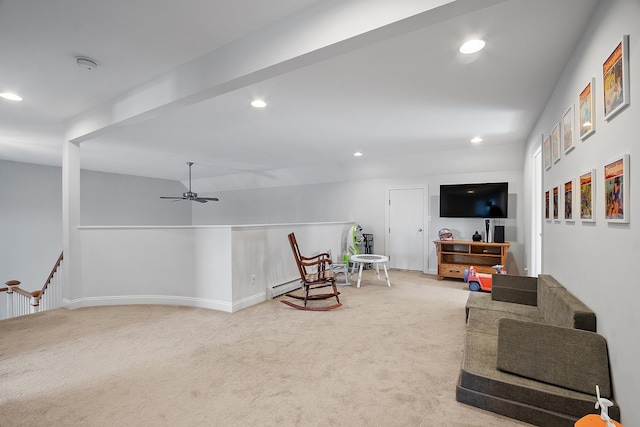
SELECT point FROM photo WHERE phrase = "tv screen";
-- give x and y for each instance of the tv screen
(487, 200)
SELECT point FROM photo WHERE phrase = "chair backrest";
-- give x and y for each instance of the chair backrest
(296, 254)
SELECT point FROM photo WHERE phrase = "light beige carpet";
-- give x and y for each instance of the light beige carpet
(388, 357)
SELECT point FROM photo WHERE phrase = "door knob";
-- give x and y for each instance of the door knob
(419, 230)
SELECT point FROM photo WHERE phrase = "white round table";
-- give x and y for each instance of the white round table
(370, 259)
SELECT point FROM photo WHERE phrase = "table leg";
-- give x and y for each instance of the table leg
(377, 270)
(384, 264)
(360, 274)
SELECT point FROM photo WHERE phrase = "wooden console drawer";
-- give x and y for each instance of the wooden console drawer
(452, 270)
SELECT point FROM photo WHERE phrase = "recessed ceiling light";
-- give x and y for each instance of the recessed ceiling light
(357, 154)
(472, 46)
(476, 139)
(258, 103)
(10, 96)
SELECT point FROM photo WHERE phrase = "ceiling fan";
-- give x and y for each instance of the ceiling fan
(190, 195)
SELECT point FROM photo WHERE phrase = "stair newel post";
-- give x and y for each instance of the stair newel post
(35, 302)
(11, 284)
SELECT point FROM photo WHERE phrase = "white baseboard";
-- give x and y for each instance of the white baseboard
(149, 299)
(248, 302)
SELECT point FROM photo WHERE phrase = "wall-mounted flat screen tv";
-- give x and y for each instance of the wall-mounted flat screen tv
(488, 200)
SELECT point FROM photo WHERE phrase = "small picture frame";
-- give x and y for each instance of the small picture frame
(587, 106)
(546, 151)
(567, 130)
(616, 190)
(556, 203)
(547, 207)
(587, 196)
(615, 79)
(555, 143)
(568, 188)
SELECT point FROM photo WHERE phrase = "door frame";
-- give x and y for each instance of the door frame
(425, 220)
(537, 207)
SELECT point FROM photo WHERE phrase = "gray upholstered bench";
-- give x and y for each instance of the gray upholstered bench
(535, 363)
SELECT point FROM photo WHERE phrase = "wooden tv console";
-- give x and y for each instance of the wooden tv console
(456, 255)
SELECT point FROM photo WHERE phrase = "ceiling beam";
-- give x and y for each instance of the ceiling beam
(325, 30)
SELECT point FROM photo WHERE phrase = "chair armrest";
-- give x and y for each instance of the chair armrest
(324, 255)
(321, 263)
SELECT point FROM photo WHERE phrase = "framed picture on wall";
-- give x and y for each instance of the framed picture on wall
(555, 143)
(567, 130)
(615, 79)
(587, 196)
(568, 200)
(547, 208)
(587, 105)
(616, 189)
(556, 205)
(546, 151)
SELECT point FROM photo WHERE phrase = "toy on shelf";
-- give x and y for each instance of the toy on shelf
(445, 234)
(481, 281)
(602, 420)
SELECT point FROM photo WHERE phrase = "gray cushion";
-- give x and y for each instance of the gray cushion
(538, 403)
(516, 289)
(486, 321)
(570, 358)
(563, 309)
(545, 284)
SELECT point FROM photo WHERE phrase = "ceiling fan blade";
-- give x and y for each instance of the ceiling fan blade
(199, 200)
(209, 199)
(172, 198)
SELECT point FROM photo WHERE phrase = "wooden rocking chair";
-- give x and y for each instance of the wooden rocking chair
(315, 273)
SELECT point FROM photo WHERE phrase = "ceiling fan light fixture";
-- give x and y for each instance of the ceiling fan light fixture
(258, 103)
(472, 46)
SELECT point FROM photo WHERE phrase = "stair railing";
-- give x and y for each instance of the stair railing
(21, 302)
(51, 294)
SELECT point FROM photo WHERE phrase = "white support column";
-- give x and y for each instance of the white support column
(71, 286)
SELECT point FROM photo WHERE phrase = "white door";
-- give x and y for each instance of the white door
(406, 228)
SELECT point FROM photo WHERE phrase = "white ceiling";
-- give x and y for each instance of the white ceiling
(175, 79)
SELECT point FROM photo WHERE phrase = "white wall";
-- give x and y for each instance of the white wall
(30, 222)
(151, 265)
(115, 199)
(364, 202)
(262, 256)
(463, 228)
(218, 267)
(596, 261)
(31, 214)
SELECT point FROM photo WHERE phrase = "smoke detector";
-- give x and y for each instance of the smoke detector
(86, 63)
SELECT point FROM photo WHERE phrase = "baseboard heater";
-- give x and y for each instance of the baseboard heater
(282, 288)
